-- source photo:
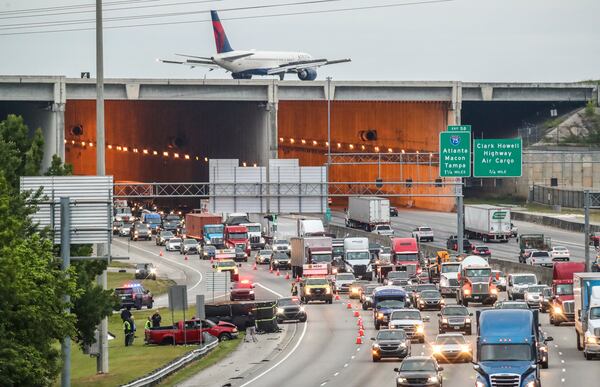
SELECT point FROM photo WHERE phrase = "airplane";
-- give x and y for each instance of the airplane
(245, 64)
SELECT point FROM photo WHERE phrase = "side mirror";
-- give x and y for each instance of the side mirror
(439, 315)
(253, 286)
(396, 369)
(214, 266)
(239, 265)
(231, 288)
(372, 338)
(146, 291)
(539, 282)
(470, 314)
(549, 338)
(440, 368)
(475, 366)
(425, 318)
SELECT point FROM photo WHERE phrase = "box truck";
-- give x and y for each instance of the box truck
(488, 223)
(586, 292)
(311, 251)
(205, 227)
(367, 212)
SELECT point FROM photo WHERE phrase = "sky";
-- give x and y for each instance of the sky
(465, 40)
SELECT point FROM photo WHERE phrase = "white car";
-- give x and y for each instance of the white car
(411, 321)
(423, 234)
(174, 244)
(125, 229)
(532, 296)
(343, 281)
(518, 283)
(281, 245)
(560, 253)
(383, 229)
(539, 258)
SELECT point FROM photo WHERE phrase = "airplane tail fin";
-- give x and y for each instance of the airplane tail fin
(220, 37)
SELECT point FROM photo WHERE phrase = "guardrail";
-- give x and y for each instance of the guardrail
(543, 274)
(156, 376)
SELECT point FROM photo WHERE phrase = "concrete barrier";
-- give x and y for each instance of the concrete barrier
(543, 274)
(552, 222)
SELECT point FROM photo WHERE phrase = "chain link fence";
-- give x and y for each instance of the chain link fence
(553, 196)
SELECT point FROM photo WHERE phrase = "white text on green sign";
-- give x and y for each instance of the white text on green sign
(455, 154)
(498, 157)
(459, 128)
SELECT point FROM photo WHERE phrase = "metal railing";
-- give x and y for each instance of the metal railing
(160, 374)
(553, 196)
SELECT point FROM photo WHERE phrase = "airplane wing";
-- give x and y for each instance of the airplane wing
(300, 65)
(236, 56)
(192, 62)
(194, 56)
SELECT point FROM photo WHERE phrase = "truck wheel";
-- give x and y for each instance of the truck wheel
(579, 346)
(364, 306)
(465, 302)
(167, 341)
(138, 306)
(588, 356)
(330, 301)
(303, 319)
(545, 365)
(377, 326)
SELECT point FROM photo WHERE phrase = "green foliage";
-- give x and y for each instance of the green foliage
(32, 288)
(57, 168)
(20, 154)
(590, 110)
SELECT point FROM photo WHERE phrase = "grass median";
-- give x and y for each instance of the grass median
(129, 363)
(156, 287)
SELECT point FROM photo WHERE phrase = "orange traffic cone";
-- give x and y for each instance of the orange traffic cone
(287, 276)
(361, 332)
(337, 297)
(161, 253)
(254, 267)
(358, 340)
(359, 321)
(277, 272)
(356, 314)
(349, 306)
(185, 258)
(297, 279)
(270, 269)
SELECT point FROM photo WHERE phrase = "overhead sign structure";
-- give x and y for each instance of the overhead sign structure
(459, 128)
(455, 154)
(501, 157)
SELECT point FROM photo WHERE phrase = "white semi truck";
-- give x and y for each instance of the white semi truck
(488, 223)
(367, 212)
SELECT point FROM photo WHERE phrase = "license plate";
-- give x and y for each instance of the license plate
(457, 328)
(476, 297)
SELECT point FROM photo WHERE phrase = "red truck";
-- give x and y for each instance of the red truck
(170, 335)
(562, 306)
(405, 255)
(237, 236)
(195, 227)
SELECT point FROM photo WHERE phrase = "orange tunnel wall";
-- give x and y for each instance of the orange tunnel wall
(409, 126)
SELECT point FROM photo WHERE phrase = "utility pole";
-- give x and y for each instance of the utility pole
(586, 229)
(328, 135)
(102, 249)
(65, 253)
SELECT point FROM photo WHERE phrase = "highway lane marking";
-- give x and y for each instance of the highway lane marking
(336, 374)
(352, 357)
(564, 370)
(268, 289)
(324, 383)
(282, 360)
(345, 365)
(168, 259)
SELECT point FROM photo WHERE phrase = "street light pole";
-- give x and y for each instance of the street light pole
(328, 135)
(102, 249)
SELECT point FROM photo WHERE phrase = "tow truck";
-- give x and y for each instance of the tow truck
(315, 284)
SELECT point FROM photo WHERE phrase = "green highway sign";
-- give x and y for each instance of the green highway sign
(502, 157)
(459, 128)
(455, 154)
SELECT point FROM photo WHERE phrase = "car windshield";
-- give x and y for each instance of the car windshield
(564, 289)
(317, 281)
(478, 272)
(384, 227)
(406, 257)
(153, 220)
(454, 311)
(210, 249)
(165, 234)
(535, 289)
(512, 305)
(559, 248)
(356, 255)
(450, 268)
(266, 252)
(225, 263)
(391, 335)
(281, 256)
(547, 292)
(423, 287)
(175, 240)
(390, 304)
(417, 365)
(242, 285)
(369, 289)
(405, 315)
(213, 230)
(450, 339)
(141, 266)
(288, 302)
(430, 294)
(338, 250)
(481, 248)
(238, 235)
(253, 228)
(397, 274)
(505, 352)
(141, 227)
(524, 280)
(595, 313)
(425, 229)
(539, 254)
(280, 242)
(320, 258)
(345, 277)
(189, 242)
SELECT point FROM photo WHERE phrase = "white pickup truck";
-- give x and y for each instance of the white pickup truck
(540, 258)
(423, 234)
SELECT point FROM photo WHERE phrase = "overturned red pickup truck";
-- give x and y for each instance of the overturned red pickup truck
(169, 335)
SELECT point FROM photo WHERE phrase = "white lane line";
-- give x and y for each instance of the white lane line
(345, 365)
(352, 357)
(269, 290)
(564, 370)
(560, 353)
(168, 259)
(284, 358)
(336, 374)
(357, 349)
(562, 380)
(562, 361)
(324, 383)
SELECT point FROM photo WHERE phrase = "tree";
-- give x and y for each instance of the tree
(32, 288)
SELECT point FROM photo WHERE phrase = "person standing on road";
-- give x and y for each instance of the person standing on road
(156, 319)
(128, 330)
(250, 328)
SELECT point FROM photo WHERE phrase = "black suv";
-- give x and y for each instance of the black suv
(280, 260)
(289, 308)
(134, 296)
(452, 244)
(419, 371)
(430, 299)
(390, 343)
(145, 271)
(455, 319)
(140, 231)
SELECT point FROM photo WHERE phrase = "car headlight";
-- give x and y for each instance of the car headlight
(419, 329)
(251, 292)
(544, 349)
(280, 310)
(302, 309)
(379, 315)
(421, 302)
(307, 290)
(375, 345)
(403, 345)
(436, 349)
(369, 299)
(276, 262)
(433, 379)
(494, 291)
(354, 290)
(591, 340)
(401, 380)
(530, 384)
(479, 384)
(137, 271)
(327, 290)
(557, 310)
(153, 271)
(444, 320)
(467, 320)
(467, 292)
(465, 348)
(235, 270)
(392, 326)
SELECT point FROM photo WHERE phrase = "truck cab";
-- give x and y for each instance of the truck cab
(357, 258)
(237, 237)
(405, 255)
(475, 282)
(562, 304)
(507, 348)
(212, 234)
(449, 278)
(385, 300)
(586, 291)
(257, 241)
(153, 220)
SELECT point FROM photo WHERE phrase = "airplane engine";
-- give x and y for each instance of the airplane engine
(307, 74)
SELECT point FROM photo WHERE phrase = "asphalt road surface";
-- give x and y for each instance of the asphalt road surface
(323, 351)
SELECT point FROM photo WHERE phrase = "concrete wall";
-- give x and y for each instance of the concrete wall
(408, 126)
(203, 129)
